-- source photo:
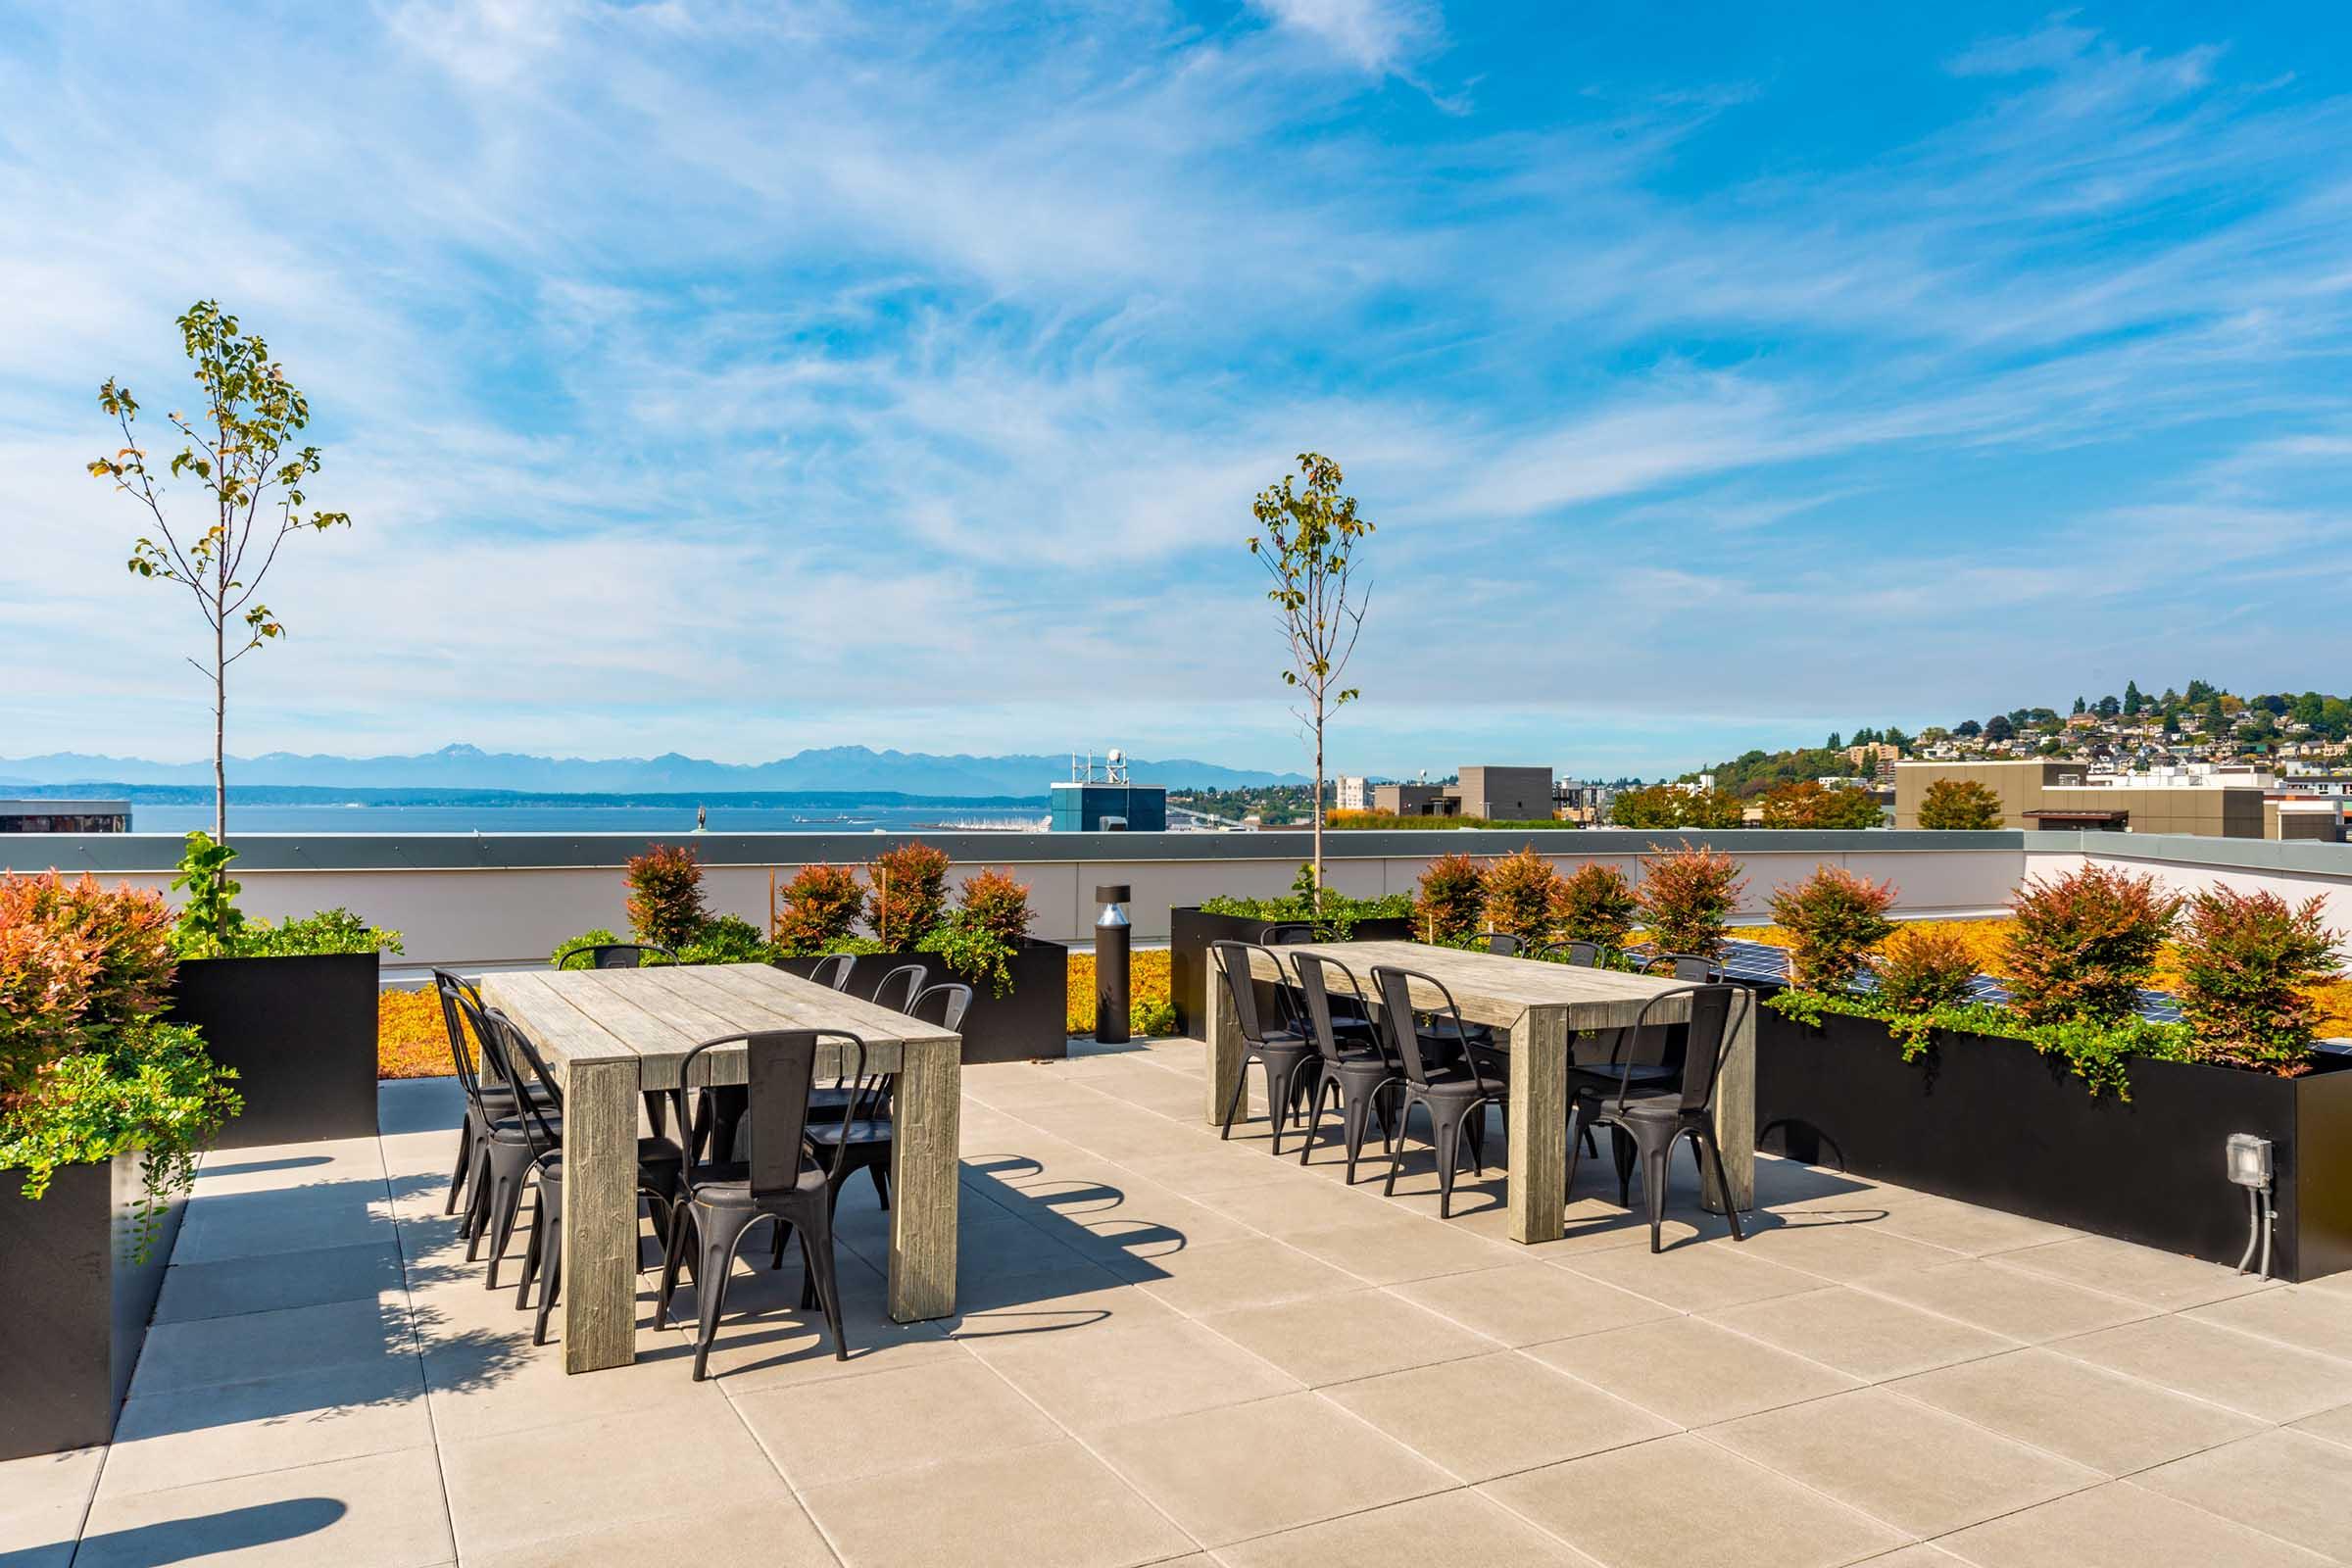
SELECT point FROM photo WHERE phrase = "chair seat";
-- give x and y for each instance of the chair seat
(1637, 1105)
(519, 1130)
(1455, 1086)
(1606, 1080)
(865, 1130)
(736, 1192)
(1363, 1067)
(655, 1154)
(1279, 1040)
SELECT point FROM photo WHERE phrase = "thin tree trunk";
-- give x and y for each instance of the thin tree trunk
(220, 732)
(1318, 805)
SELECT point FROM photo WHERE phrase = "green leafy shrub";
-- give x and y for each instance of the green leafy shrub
(2245, 963)
(1337, 919)
(1687, 897)
(87, 1070)
(1523, 896)
(1835, 918)
(210, 922)
(598, 938)
(337, 930)
(727, 938)
(819, 907)
(1808, 802)
(2084, 946)
(909, 891)
(1924, 968)
(2099, 1053)
(984, 935)
(211, 926)
(1450, 898)
(665, 895)
(1958, 804)
(1595, 905)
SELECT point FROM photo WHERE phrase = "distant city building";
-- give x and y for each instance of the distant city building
(2203, 800)
(1575, 801)
(1354, 794)
(1097, 797)
(1414, 799)
(65, 816)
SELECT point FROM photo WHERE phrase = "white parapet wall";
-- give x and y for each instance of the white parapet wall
(464, 899)
(471, 901)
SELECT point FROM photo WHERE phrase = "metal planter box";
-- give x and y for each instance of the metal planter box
(74, 1304)
(1995, 1122)
(1190, 932)
(300, 1034)
(1028, 1023)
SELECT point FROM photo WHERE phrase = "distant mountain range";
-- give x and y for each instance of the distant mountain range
(469, 768)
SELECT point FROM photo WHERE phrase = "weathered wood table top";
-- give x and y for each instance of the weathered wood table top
(1543, 1006)
(615, 1034)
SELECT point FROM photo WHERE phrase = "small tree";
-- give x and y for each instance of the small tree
(1959, 803)
(1596, 905)
(985, 934)
(819, 907)
(2082, 948)
(1523, 896)
(1652, 806)
(665, 895)
(1688, 896)
(1307, 543)
(1835, 918)
(1451, 893)
(1808, 802)
(2247, 964)
(1923, 967)
(239, 449)
(909, 893)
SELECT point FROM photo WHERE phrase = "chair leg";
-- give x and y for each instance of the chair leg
(1277, 1101)
(1621, 1149)
(880, 1171)
(1232, 1102)
(682, 1220)
(1580, 1137)
(816, 1261)
(1657, 1168)
(551, 1280)
(1475, 1120)
(506, 1195)
(721, 1230)
(1405, 1114)
(1314, 1116)
(1449, 1139)
(532, 1249)
(477, 1200)
(1711, 1171)
(1356, 1111)
(457, 1176)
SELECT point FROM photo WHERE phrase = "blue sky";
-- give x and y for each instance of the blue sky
(735, 378)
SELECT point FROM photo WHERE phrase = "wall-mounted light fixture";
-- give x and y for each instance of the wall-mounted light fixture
(2249, 1163)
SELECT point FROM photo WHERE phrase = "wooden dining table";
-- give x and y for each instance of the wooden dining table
(1543, 1006)
(612, 1035)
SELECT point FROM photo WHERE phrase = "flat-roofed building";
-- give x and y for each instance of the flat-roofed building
(65, 816)
(1504, 793)
(1413, 800)
(2218, 803)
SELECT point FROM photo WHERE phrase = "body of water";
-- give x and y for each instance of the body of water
(644, 821)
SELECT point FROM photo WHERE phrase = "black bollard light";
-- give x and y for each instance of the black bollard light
(1111, 931)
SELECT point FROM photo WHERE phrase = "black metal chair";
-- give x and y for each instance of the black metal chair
(833, 969)
(781, 1178)
(1579, 955)
(1285, 1051)
(861, 1123)
(1502, 944)
(1287, 933)
(1647, 1120)
(487, 1101)
(898, 987)
(1456, 1098)
(1355, 1076)
(1696, 967)
(660, 1168)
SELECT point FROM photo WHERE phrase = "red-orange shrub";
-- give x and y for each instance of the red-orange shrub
(2084, 946)
(1688, 896)
(1452, 897)
(908, 893)
(819, 908)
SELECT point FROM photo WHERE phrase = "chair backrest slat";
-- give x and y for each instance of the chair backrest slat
(616, 956)
(834, 970)
(1233, 961)
(898, 989)
(943, 1005)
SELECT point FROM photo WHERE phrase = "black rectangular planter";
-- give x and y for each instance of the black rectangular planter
(1191, 931)
(74, 1304)
(1995, 1122)
(1028, 1023)
(300, 1034)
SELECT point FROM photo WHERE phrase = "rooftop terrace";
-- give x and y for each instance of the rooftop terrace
(1170, 1348)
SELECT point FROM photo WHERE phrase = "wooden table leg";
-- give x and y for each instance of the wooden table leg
(1538, 1122)
(1224, 1053)
(1736, 1109)
(925, 1179)
(600, 1213)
